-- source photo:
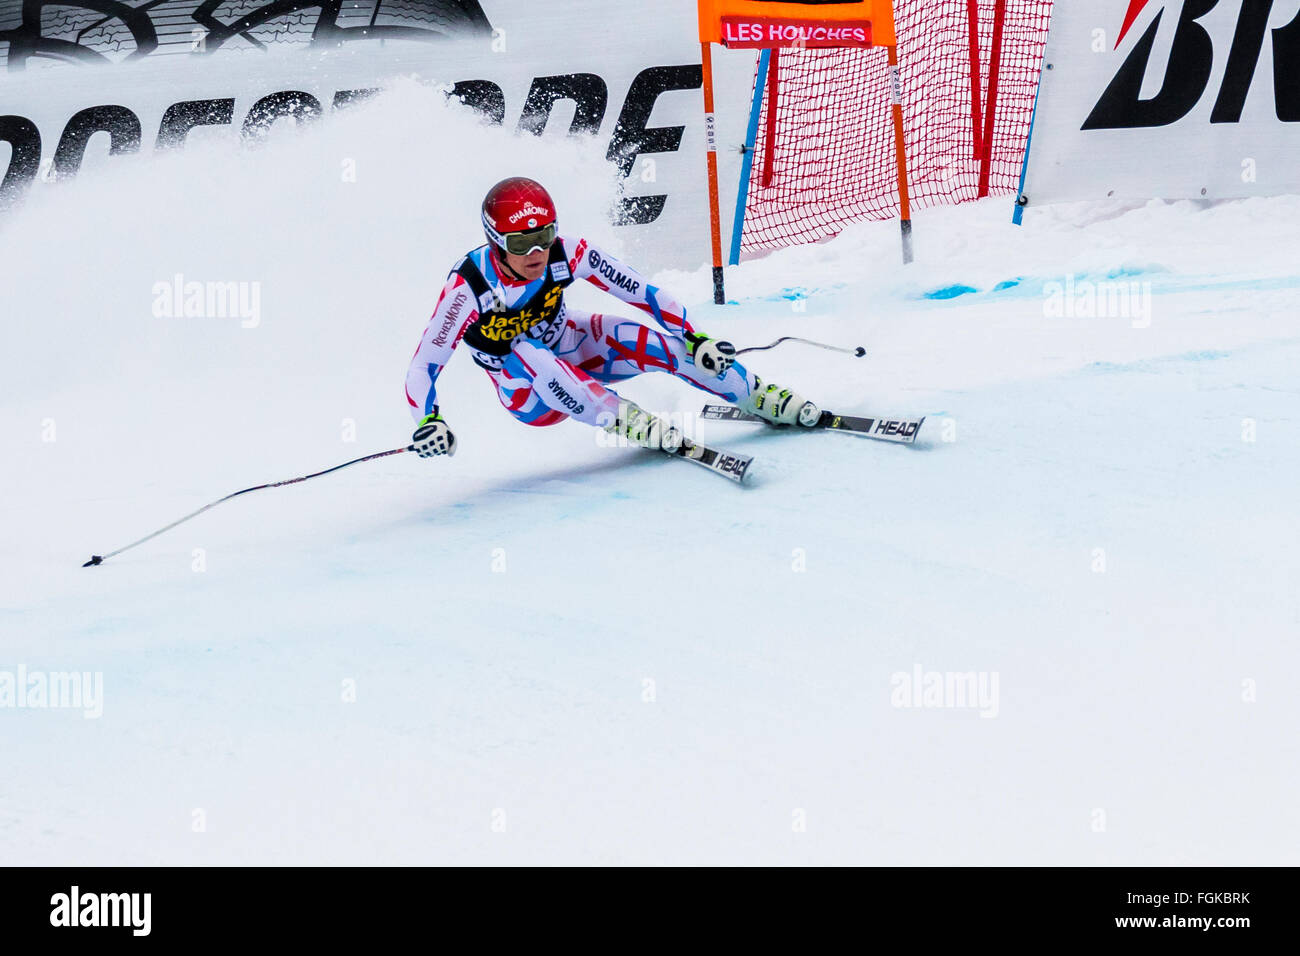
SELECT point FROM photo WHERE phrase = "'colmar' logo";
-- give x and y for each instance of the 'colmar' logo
(602, 267)
(567, 400)
(1191, 63)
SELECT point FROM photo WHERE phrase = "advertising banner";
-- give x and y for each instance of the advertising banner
(81, 80)
(1168, 99)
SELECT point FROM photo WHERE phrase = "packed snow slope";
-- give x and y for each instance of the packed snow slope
(561, 652)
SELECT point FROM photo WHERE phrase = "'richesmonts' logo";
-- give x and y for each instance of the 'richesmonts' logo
(1191, 62)
(110, 31)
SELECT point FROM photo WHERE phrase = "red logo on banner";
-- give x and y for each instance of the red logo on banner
(740, 33)
(1134, 8)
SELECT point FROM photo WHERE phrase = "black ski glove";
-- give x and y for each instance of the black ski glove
(712, 355)
(432, 437)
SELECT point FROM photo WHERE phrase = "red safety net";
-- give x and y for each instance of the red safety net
(834, 156)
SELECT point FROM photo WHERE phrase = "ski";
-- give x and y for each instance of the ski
(720, 462)
(899, 430)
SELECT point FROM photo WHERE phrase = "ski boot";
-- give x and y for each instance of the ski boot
(639, 427)
(780, 406)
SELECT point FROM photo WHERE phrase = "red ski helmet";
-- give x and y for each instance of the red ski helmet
(519, 216)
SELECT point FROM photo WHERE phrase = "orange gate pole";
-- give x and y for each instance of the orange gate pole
(710, 129)
(904, 200)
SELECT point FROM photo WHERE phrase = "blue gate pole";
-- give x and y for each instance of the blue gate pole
(747, 164)
(1018, 215)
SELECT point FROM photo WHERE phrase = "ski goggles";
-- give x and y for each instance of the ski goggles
(522, 243)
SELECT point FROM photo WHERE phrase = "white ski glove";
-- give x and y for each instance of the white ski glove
(432, 437)
(712, 355)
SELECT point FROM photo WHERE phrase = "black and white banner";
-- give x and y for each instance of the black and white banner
(1169, 99)
(81, 80)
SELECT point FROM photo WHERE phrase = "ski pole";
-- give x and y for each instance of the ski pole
(858, 350)
(101, 558)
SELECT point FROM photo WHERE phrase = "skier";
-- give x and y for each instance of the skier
(549, 362)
